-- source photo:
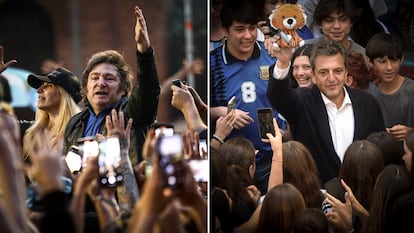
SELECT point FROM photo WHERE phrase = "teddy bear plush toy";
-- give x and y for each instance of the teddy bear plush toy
(286, 18)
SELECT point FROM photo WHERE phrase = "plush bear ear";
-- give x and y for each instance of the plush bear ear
(277, 7)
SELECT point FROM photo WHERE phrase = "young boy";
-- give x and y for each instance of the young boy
(394, 92)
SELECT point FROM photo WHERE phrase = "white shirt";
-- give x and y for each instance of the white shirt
(341, 123)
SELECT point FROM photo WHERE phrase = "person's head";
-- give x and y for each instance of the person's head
(58, 95)
(392, 182)
(329, 65)
(361, 165)
(218, 168)
(239, 19)
(299, 169)
(300, 70)
(402, 214)
(335, 18)
(408, 151)
(312, 220)
(239, 151)
(106, 79)
(359, 76)
(215, 9)
(389, 147)
(59, 82)
(385, 53)
(280, 208)
(265, 8)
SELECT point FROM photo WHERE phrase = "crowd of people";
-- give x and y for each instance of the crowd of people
(340, 158)
(92, 161)
(101, 157)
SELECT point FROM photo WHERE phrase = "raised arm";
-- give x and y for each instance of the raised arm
(183, 101)
(143, 100)
(128, 191)
(276, 169)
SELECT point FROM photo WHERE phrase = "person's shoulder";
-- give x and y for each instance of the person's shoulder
(361, 96)
(78, 116)
(357, 47)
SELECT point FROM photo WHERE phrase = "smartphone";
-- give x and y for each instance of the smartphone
(334, 187)
(74, 159)
(163, 129)
(200, 168)
(265, 117)
(203, 146)
(231, 104)
(177, 82)
(109, 162)
(170, 154)
(87, 146)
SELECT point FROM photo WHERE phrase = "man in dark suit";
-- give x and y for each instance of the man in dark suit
(328, 117)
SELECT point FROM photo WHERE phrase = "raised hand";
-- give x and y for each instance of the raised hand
(115, 125)
(3, 66)
(141, 32)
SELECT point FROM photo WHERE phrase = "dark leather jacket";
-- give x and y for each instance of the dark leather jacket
(140, 105)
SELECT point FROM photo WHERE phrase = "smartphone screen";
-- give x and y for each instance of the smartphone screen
(74, 159)
(199, 167)
(164, 129)
(88, 147)
(170, 153)
(109, 162)
(265, 116)
(203, 146)
(231, 104)
(334, 187)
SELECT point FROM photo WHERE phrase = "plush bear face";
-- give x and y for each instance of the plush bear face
(287, 17)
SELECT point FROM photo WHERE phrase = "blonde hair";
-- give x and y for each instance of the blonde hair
(67, 108)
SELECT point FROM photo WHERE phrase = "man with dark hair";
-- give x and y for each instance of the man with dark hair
(394, 92)
(328, 117)
(240, 68)
(106, 84)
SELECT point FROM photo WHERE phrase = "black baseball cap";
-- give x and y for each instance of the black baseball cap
(61, 77)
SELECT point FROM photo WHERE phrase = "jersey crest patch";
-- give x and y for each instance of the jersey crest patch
(264, 72)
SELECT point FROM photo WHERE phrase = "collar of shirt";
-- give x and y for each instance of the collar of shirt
(228, 58)
(94, 121)
(346, 100)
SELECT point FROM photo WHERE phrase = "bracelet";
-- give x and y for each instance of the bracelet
(275, 160)
(218, 139)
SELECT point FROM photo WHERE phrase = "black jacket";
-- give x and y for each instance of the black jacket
(306, 113)
(140, 105)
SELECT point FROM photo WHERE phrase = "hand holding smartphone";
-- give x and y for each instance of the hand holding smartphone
(265, 117)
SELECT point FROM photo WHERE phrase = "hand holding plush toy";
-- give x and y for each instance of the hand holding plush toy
(287, 18)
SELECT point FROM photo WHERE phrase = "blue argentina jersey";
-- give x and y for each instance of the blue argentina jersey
(247, 81)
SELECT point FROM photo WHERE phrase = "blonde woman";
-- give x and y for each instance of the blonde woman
(58, 95)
